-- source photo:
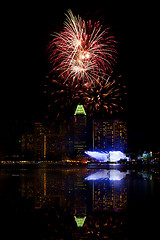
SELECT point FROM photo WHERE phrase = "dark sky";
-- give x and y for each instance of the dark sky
(26, 29)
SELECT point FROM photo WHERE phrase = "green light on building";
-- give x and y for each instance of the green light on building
(80, 221)
(80, 110)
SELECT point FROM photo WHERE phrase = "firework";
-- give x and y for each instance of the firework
(99, 100)
(105, 98)
(63, 99)
(82, 52)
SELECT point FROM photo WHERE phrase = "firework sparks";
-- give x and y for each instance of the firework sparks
(104, 98)
(63, 99)
(99, 100)
(82, 52)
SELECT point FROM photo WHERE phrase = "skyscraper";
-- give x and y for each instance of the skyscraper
(40, 133)
(34, 143)
(109, 135)
(120, 135)
(80, 124)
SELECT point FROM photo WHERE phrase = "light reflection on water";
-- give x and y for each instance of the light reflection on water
(79, 193)
(111, 174)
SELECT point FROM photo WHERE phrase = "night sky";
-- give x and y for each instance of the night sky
(26, 33)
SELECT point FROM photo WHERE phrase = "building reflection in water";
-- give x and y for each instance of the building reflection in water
(59, 201)
(63, 189)
(68, 190)
(66, 200)
(109, 190)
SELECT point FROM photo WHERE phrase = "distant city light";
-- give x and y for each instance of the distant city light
(111, 156)
(112, 175)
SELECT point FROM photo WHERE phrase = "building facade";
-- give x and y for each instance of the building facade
(69, 139)
(109, 135)
(80, 130)
(35, 143)
(58, 141)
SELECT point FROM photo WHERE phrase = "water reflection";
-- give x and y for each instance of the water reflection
(77, 202)
(68, 200)
(70, 190)
(108, 195)
(111, 174)
(60, 188)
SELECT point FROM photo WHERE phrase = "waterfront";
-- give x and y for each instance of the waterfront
(51, 202)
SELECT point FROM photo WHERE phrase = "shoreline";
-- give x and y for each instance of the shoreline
(127, 166)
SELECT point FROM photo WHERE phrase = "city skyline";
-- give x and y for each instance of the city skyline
(21, 91)
(69, 139)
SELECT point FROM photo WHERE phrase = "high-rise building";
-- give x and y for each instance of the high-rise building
(80, 125)
(120, 135)
(35, 143)
(40, 140)
(27, 143)
(109, 135)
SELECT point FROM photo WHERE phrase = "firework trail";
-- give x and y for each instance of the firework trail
(63, 99)
(82, 52)
(83, 56)
(105, 98)
(99, 100)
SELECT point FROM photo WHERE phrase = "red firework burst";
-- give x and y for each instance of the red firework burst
(82, 52)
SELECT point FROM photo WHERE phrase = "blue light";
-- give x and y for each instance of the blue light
(100, 156)
(111, 156)
(112, 175)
